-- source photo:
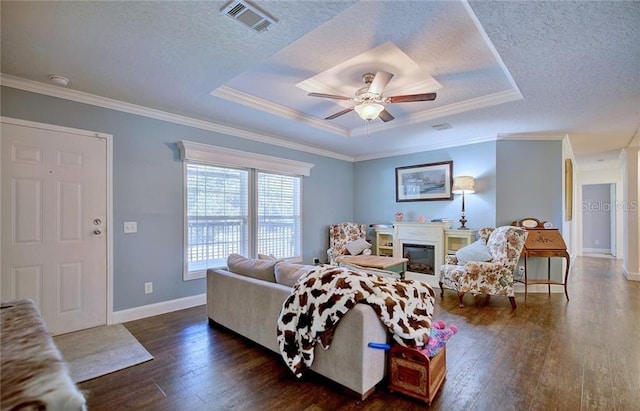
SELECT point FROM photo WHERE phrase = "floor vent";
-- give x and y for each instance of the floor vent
(248, 15)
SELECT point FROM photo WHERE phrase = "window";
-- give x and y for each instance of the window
(278, 215)
(245, 210)
(217, 215)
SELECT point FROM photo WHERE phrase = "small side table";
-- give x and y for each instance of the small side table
(547, 243)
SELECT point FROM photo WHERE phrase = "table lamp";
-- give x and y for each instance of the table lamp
(462, 185)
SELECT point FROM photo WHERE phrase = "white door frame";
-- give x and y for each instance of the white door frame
(109, 182)
(608, 175)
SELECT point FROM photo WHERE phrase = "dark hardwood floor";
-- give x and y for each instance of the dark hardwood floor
(549, 354)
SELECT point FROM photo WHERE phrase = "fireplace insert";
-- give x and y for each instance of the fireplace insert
(421, 258)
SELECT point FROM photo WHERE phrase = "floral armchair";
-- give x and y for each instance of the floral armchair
(342, 234)
(493, 277)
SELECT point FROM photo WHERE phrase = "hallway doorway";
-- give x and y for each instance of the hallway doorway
(599, 220)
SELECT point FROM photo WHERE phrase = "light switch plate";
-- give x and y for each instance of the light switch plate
(130, 227)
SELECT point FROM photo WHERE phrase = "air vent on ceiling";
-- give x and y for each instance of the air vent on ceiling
(249, 15)
(442, 126)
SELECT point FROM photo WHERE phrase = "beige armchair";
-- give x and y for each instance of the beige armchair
(342, 234)
(494, 277)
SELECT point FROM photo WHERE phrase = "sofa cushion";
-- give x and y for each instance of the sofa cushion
(477, 251)
(288, 273)
(260, 269)
(358, 246)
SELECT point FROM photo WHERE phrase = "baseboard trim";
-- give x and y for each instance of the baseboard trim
(596, 251)
(164, 307)
(630, 276)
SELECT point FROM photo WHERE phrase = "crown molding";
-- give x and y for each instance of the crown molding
(448, 110)
(430, 147)
(91, 99)
(533, 136)
(248, 100)
(261, 104)
(104, 102)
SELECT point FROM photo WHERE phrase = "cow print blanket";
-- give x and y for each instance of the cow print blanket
(323, 296)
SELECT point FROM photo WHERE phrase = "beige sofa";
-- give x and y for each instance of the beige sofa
(249, 301)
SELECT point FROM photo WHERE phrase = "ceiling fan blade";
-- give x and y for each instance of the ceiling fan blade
(411, 97)
(328, 96)
(338, 114)
(379, 82)
(385, 116)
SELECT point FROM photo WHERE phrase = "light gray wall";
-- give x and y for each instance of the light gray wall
(375, 195)
(596, 216)
(148, 184)
(529, 180)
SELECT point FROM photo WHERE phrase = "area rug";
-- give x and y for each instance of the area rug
(98, 351)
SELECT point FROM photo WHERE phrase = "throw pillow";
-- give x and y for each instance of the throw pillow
(260, 269)
(288, 273)
(477, 251)
(358, 246)
(267, 257)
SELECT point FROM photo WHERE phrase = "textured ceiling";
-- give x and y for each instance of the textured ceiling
(506, 68)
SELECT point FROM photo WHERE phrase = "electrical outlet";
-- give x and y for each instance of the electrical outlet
(597, 242)
(316, 260)
(148, 288)
(130, 227)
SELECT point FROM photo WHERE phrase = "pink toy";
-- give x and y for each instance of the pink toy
(438, 337)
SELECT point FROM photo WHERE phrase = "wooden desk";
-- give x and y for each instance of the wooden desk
(545, 243)
(395, 264)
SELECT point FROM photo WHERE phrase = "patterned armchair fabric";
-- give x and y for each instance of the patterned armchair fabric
(491, 278)
(342, 234)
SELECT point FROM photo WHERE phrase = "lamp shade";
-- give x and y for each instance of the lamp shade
(369, 111)
(463, 184)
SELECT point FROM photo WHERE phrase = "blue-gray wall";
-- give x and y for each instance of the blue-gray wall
(529, 180)
(148, 184)
(375, 190)
(514, 179)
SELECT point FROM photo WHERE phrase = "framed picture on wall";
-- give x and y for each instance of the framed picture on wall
(568, 189)
(424, 182)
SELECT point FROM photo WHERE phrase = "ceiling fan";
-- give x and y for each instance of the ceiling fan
(369, 98)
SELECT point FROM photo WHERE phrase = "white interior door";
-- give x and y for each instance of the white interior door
(54, 212)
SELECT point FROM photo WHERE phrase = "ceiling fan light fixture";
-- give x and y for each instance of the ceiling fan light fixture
(369, 111)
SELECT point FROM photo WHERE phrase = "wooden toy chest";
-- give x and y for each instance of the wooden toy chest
(415, 374)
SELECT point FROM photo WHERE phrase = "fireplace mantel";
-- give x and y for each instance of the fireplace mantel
(431, 234)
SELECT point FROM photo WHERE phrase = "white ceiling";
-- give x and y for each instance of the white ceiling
(546, 69)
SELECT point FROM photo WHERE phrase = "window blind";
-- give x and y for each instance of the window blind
(278, 215)
(217, 216)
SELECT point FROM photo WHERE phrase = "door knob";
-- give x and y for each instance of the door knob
(97, 231)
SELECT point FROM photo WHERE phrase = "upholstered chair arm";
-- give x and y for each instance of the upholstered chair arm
(485, 268)
(482, 266)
